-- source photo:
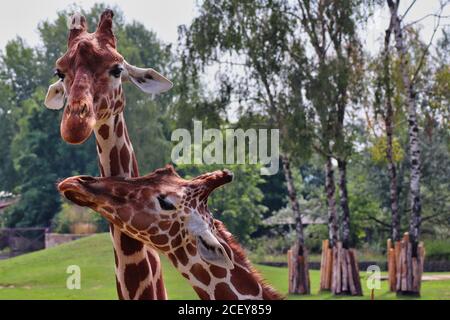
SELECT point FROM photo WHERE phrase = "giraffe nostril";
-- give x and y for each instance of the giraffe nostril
(84, 111)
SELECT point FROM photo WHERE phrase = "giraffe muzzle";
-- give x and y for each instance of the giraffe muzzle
(77, 123)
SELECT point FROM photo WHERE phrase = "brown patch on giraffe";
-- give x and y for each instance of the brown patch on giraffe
(152, 260)
(114, 162)
(174, 228)
(133, 275)
(244, 282)
(130, 245)
(148, 293)
(176, 242)
(119, 129)
(191, 249)
(103, 104)
(159, 240)
(160, 288)
(202, 294)
(116, 259)
(153, 230)
(116, 119)
(141, 222)
(185, 275)
(193, 203)
(104, 131)
(124, 213)
(164, 225)
(173, 259)
(99, 148)
(118, 105)
(181, 256)
(200, 274)
(125, 158)
(218, 272)
(224, 292)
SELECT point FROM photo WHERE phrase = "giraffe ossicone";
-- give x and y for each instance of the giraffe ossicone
(171, 214)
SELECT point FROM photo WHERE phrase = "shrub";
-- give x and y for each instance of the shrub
(78, 220)
(437, 250)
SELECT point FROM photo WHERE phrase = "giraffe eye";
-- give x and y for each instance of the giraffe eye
(59, 74)
(116, 71)
(165, 204)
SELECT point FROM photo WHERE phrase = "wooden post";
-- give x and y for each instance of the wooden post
(299, 282)
(409, 267)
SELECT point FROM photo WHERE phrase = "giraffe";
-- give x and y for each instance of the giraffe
(170, 214)
(89, 89)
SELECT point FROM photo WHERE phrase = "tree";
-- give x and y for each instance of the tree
(331, 29)
(254, 37)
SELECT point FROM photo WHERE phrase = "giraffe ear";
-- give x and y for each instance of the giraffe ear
(148, 80)
(208, 246)
(55, 96)
(212, 251)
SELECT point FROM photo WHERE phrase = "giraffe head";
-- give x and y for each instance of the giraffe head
(160, 209)
(91, 73)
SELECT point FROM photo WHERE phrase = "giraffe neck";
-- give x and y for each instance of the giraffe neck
(138, 269)
(212, 282)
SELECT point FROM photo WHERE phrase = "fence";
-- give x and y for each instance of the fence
(17, 241)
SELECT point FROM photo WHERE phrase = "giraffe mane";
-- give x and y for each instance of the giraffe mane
(269, 292)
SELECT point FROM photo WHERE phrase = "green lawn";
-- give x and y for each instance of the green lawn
(42, 275)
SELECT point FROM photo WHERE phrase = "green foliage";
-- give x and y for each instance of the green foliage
(378, 150)
(437, 249)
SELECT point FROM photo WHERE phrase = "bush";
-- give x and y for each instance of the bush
(78, 220)
(437, 250)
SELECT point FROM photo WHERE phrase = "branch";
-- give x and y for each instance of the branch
(407, 10)
(379, 221)
(422, 58)
(425, 17)
(431, 216)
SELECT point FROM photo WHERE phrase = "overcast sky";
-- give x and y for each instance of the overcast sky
(21, 17)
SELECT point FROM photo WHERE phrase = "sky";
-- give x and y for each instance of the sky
(21, 17)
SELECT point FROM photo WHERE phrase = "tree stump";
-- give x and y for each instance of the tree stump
(299, 282)
(405, 266)
(339, 271)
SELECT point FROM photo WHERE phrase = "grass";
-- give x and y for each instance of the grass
(42, 275)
